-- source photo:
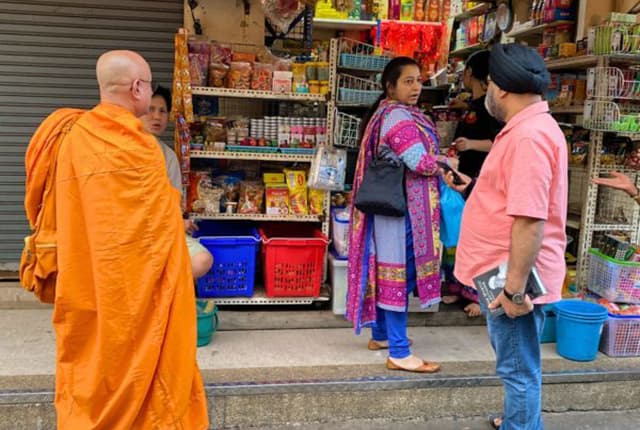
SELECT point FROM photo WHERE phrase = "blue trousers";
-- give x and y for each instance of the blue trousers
(390, 325)
(518, 363)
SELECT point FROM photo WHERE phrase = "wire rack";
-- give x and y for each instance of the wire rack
(578, 182)
(357, 91)
(613, 83)
(609, 116)
(362, 56)
(615, 206)
(615, 39)
(346, 130)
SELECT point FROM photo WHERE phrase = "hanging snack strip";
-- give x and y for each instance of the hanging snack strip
(182, 100)
(182, 107)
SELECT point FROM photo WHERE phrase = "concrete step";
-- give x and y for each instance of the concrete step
(288, 377)
(13, 296)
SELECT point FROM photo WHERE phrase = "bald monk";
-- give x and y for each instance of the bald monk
(124, 309)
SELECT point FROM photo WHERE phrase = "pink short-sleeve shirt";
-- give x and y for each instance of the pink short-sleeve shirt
(524, 175)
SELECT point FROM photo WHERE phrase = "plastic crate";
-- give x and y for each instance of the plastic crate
(360, 97)
(293, 260)
(621, 336)
(356, 90)
(374, 63)
(362, 56)
(616, 281)
(234, 248)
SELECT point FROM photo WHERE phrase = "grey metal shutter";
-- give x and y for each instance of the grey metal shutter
(48, 51)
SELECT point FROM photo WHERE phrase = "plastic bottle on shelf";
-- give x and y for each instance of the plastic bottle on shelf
(394, 9)
(406, 10)
(383, 9)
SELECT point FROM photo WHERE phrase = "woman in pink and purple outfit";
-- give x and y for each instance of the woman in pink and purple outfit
(390, 257)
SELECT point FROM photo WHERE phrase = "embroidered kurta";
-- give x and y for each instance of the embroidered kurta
(379, 278)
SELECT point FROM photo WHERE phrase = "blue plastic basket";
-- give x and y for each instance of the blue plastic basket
(363, 97)
(234, 248)
(374, 63)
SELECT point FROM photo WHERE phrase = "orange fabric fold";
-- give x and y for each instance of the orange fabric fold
(124, 312)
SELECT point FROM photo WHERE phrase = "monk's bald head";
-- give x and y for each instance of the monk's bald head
(116, 69)
(124, 78)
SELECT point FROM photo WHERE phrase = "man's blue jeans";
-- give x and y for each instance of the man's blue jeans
(518, 363)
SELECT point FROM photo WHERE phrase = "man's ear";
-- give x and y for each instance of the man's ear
(502, 93)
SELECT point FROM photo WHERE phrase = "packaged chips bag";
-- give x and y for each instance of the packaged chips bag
(297, 185)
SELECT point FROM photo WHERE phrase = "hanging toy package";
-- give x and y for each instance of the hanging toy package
(328, 169)
(281, 13)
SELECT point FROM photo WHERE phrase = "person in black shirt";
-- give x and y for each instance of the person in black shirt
(473, 139)
(477, 129)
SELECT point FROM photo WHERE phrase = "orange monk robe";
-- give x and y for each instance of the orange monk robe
(124, 312)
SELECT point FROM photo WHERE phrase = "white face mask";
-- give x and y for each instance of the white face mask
(491, 106)
(486, 105)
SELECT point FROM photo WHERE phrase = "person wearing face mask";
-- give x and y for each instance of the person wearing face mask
(155, 122)
(477, 129)
(390, 257)
(473, 139)
(522, 189)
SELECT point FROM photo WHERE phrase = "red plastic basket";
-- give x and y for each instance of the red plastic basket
(293, 260)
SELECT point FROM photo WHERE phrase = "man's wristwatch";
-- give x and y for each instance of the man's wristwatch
(517, 298)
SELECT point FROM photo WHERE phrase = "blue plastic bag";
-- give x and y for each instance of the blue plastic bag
(451, 206)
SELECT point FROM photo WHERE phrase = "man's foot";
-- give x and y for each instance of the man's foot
(449, 300)
(495, 420)
(412, 364)
(473, 310)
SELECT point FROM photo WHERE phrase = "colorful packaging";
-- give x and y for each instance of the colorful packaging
(262, 77)
(282, 82)
(297, 185)
(239, 76)
(251, 198)
(316, 201)
(277, 199)
(273, 178)
(203, 196)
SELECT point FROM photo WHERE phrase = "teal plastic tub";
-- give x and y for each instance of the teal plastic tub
(207, 321)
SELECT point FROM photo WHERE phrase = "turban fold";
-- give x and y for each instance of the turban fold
(518, 69)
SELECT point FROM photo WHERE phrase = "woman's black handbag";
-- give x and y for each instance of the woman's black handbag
(382, 189)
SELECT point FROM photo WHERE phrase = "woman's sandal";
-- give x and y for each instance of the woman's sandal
(426, 367)
(492, 421)
(376, 346)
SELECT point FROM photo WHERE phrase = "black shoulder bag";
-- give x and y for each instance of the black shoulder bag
(382, 189)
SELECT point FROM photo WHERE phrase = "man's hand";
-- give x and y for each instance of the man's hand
(463, 144)
(511, 309)
(189, 226)
(448, 179)
(618, 181)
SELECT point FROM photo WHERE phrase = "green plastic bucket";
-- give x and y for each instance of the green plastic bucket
(207, 321)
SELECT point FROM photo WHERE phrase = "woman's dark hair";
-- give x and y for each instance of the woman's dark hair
(165, 94)
(390, 76)
(479, 65)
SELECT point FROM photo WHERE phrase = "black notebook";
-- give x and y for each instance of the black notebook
(491, 283)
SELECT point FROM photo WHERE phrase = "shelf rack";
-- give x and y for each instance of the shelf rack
(256, 94)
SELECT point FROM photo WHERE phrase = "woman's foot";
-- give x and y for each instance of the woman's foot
(473, 310)
(449, 300)
(376, 345)
(412, 364)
